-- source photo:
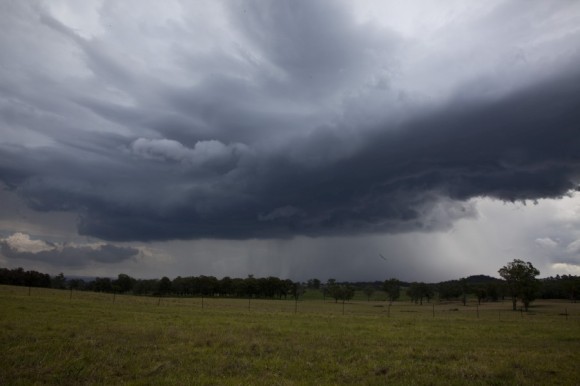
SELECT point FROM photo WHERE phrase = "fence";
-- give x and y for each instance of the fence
(556, 310)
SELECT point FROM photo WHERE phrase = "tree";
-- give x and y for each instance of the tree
(179, 286)
(413, 292)
(492, 290)
(369, 290)
(426, 291)
(124, 283)
(164, 286)
(449, 290)
(338, 292)
(345, 292)
(208, 285)
(226, 286)
(102, 284)
(58, 281)
(481, 293)
(145, 287)
(418, 291)
(313, 283)
(296, 290)
(77, 284)
(286, 287)
(393, 289)
(251, 286)
(521, 281)
(331, 289)
(571, 287)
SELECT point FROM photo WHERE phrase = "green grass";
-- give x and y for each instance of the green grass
(47, 338)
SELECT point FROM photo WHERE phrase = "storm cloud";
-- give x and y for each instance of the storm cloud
(284, 119)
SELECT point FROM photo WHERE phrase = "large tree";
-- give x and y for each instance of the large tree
(393, 289)
(124, 283)
(164, 286)
(313, 283)
(520, 277)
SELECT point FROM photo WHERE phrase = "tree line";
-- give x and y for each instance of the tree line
(518, 283)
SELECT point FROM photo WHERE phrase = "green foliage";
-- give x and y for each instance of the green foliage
(393, 289)
(145, 287)
(521, 281)
(418, 291)
(296, 290)
(102, 284)
(481, 293)
(485, 288)
(338, 292)
(124, 283)
(561, 287)
(369, 291)
(58, 281)
(314, 283)
(493, 291)
(449, 290)
(18, 276)
(164, 286)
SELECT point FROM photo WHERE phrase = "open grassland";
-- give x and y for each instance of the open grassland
(51, 337)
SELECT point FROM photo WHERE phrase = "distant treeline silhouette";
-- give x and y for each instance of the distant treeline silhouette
(485, 288)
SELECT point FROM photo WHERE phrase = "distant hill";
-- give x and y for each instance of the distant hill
(482, 279)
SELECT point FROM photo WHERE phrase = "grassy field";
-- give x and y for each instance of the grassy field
(50, 337)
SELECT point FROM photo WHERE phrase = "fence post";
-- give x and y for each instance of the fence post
(477, 311)
(433, 310)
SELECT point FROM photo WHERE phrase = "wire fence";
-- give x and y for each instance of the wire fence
(541, 310)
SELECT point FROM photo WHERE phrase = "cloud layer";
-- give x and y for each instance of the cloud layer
(20, 246)
(281, 119)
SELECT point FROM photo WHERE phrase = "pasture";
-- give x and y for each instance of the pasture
(64, 338)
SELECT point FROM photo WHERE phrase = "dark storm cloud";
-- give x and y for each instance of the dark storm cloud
(20, 246)
(297, 128)
(316, 44)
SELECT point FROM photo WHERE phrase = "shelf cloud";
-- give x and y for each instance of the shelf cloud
(283, 119)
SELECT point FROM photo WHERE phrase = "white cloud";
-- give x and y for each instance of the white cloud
(20, 246)
(566, 269)
(546, 242)
(21, 242)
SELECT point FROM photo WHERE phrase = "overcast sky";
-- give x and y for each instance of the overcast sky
(297, 139)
